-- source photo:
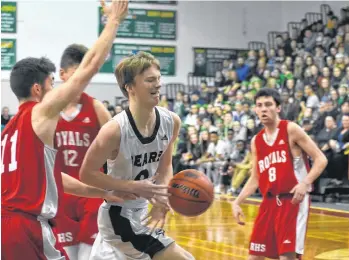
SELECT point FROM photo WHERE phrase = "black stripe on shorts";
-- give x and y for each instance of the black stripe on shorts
(142, 242)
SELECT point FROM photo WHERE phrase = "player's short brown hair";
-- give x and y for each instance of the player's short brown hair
(131, 66)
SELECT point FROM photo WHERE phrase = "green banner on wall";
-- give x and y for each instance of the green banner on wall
(165, 54)
(154, 2)
(8, 17)
(8, 53)
(145, 24)
(207, 61)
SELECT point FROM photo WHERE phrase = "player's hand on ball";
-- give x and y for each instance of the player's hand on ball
(155, 218)
(118, 196)
(117, 10)
(238, 214)
(152, 192)
(299, 192)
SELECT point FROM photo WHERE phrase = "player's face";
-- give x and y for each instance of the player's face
(266, 109)
(146, 88)
(65, 74)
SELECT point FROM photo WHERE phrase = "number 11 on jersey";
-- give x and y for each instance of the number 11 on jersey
(13, 164)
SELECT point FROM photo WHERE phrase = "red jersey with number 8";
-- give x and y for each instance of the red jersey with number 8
(31, 180)
(278, 170)
(74, 135)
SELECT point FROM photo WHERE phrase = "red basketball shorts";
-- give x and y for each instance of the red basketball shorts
(80, 222)
(280, 227)
(25, 237)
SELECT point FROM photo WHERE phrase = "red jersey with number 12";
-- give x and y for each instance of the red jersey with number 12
(74, 135)
(278, 170)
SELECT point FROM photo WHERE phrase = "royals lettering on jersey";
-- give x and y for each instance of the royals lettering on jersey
(72, 138)
(74, 135)
(272, 159)
(278, 171)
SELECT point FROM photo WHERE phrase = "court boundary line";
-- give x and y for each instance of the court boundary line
(314, 209)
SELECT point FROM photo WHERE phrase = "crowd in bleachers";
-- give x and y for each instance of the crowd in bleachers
(310, 69)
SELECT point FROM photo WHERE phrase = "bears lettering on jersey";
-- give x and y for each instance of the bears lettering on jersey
(143, 159)
(72, 138)
(271, 159)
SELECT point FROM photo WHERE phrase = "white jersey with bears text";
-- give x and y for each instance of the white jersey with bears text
(138, 157)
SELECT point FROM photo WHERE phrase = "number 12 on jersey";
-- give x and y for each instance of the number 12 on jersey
(12, 166)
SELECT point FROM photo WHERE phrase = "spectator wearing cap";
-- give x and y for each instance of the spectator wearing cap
(196, 99)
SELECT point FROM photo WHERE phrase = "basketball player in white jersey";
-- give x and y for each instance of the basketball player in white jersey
(138, 145)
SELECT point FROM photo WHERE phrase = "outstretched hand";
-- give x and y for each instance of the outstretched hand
(117, 10)
(156, 194)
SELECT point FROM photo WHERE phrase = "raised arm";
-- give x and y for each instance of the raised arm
(59, 97)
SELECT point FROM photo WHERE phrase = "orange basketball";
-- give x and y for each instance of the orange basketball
(192, 193)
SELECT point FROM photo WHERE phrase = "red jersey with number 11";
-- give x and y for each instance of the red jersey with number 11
(278, 170)
(31, 180)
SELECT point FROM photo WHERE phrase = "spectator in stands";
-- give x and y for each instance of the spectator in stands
(241, 171)
(309, 40)
(178, 106)
(193, 153)
(312, 99)
(345, 79)
(324, 91)
(190, 119)
(326, 134)
(163, 102)
(242, 69)
(213, 159)
(336, 78)
(289, 110)
(5, 116)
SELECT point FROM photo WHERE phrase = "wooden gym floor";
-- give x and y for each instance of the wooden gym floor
(215, 235)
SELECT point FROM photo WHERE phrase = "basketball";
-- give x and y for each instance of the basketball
(192, 193)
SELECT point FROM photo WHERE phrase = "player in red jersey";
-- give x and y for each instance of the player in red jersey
(281, 172)
(31, 177)
(78, 126)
